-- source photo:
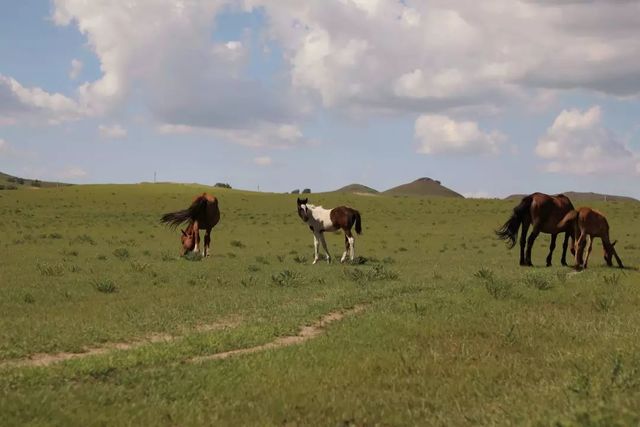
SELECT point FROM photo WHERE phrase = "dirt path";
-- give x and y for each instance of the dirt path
(46, 359)
(306, 333)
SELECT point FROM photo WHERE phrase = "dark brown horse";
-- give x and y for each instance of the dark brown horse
(544, 213)
(203, 214)
(320, 220)
(587, 224)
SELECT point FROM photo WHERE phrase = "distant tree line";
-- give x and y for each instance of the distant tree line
(222, 185)
(305, 191)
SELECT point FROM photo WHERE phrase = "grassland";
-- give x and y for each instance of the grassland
(451, 332)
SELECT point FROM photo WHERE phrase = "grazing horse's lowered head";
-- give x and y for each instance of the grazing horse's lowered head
(203, 214)
(320, 220)
(587, 224)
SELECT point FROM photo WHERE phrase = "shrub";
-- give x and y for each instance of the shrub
(55, 270)
(285, 278)
(105, 286)
(237, 244)
(306, 191)
(222, 185)
(121, 253)
(193, 256)
(295, 192)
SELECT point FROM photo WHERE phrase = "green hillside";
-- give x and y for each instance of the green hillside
(423, 187)
(357, 189)
(10, 182)
(435, 323)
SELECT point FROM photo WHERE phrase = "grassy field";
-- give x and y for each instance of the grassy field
(451, 331)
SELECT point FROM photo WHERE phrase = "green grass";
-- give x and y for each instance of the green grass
(454, 332)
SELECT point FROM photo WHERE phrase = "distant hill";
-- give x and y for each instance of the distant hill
(357, 188)
(10, 182)
(578, 197)
(423, 187)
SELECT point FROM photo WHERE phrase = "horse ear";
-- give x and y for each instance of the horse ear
(299, 201)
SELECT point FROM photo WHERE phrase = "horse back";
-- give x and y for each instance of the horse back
(548, 211)
(343, 217)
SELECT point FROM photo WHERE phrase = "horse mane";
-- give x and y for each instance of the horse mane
(173, 219)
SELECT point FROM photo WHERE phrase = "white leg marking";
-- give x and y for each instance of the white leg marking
(316, 244)
(351, 247)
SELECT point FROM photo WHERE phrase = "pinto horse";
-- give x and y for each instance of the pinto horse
(544, 213)
(321, 220)
(203, 214)
(588, 224)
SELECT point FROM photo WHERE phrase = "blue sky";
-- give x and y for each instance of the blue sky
(493, 99)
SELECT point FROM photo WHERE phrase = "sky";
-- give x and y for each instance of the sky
(491, 98)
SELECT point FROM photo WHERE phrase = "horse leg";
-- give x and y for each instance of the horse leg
(316, 244)
(532, 238)
(346, 248)
(551, 248)
(196, 231)
(324, 246)
(207, 242)
(523, 241)
(581, 243)
(586, 259)
(564, 249)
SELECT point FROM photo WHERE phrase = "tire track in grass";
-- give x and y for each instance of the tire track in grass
(305, 333)
(46, 359)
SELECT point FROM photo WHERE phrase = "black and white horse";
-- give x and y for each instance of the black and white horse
(320, 220)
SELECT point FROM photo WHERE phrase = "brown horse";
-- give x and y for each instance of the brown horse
(203, 214)
(588, 224)
(321, 220)
(544, 213)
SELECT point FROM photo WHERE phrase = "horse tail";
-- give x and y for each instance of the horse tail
(173, 219)
(509, 231)
(358, 222)
(568, 219)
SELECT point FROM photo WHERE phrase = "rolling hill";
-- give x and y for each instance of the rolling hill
(10, 182)
(423, 187)
(357, 189)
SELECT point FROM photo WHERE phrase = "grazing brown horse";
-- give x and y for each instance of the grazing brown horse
(321, 220)
(544, 213)
(588, 224)
(203, 214)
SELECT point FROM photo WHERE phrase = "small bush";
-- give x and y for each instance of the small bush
(539, 282)
(193, 256)
(55, 236)
(484, 274)
(167, 256)
(300, 259)
(253, 268)
(28, 299)
(54, 270)
(237, 244)
(306, 191)
(295, 192)
(121, 253)
(105, 286)
(139, 266)
(285, 278)
(612, 279)
(378, 272)
(498, 290)
(84, 238)
(222, 185)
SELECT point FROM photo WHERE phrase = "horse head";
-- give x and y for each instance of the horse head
(188, 239)
(303, 210)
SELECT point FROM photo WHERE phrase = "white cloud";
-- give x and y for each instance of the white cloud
(262, 135)
(76, 68)
(439, 134)
(114, 131)
(19, 102)
(263, 161)
(578, 143)
(444, 54)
